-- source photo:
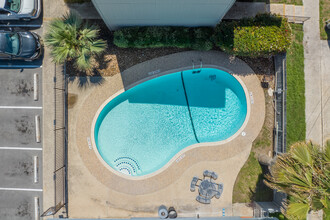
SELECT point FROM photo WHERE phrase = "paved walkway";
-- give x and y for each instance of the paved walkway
(294, 13)
(317, 79)
(51, 9)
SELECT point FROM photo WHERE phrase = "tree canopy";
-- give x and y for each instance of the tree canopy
(304, 175)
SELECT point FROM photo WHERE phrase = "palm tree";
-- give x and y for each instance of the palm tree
(72, 39)
(304, 175)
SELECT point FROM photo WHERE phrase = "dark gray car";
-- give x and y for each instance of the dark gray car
(19, 45)
(20, 9)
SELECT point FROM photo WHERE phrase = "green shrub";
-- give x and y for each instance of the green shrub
(153, 37)
(262, 35)
(278, 215)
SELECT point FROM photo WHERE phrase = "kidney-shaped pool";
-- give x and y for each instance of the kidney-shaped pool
(143, 128)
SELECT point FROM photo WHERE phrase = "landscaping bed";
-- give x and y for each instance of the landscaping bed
(116, 59)
(249, 184)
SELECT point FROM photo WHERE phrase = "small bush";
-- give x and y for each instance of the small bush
(278, 215)
(262, 35)
(153, 37)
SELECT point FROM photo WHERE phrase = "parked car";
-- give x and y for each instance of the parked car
(22, 45)
(19, 9)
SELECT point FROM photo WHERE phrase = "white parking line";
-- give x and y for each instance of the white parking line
(36, 208)
(21, 189)
(20, 107)
(20, 148)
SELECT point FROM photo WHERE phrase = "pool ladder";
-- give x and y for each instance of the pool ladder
(200, 66)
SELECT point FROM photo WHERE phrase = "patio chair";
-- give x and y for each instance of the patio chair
(207, 173)
(219, 191)
(193, 183)
(203, 200)
(214, 175)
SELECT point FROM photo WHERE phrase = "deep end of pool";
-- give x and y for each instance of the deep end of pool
(140, 130)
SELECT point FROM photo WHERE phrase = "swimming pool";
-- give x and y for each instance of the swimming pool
(142, 129)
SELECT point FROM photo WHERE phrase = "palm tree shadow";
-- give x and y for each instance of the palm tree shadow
(261, 193)
(86, 81)
(327, 31)
(82, 78)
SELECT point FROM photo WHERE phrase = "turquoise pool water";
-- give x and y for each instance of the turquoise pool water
(140, 130)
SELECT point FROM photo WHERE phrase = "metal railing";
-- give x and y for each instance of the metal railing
(60, 142)
(280, 104)
(280, 115)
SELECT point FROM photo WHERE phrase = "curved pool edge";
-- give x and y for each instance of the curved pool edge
(89, 101)
(184, 150)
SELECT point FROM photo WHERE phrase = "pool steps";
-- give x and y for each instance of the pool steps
(129, 164)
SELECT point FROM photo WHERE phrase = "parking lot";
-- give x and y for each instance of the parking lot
(20, 143)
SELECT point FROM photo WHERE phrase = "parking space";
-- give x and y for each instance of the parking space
(20, 205)
(17, 87)
(21, 64)
(20, 169)
(18, 128)
(32, 24)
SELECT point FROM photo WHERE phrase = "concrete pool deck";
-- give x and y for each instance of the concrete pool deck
(95, 191)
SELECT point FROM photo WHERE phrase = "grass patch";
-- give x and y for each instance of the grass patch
(247, 180)
(324, 16)
(289, 2)
(296, 125)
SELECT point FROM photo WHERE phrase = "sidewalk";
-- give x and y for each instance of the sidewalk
(317, 79)
(294, 13)
(51, 9)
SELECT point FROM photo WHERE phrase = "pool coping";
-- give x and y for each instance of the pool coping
(181, 152)
(97, 95)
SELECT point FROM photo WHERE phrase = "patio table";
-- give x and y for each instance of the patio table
(207, 189)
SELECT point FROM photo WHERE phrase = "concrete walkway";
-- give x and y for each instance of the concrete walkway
(51, 9)
(294, 13)
(317, 79)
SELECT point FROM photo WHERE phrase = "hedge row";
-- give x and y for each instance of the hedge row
(262, 35)
(153, 37)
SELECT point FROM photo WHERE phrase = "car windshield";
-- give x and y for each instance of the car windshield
(12, 44)
(13, 5)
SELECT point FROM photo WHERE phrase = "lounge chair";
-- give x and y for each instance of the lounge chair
(203, 200)
(210, 174)
(219, 191)
(207, 173)
(193, 184)
(214, 175)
